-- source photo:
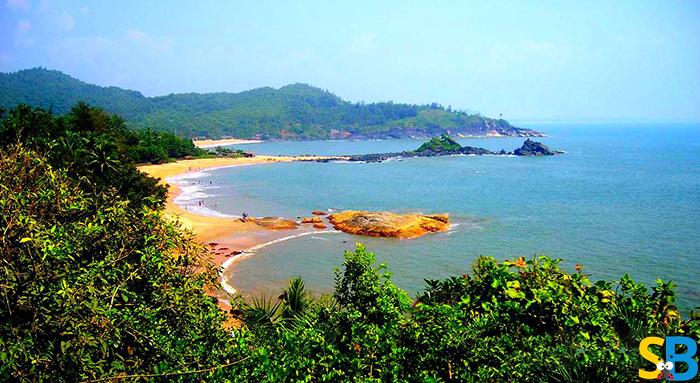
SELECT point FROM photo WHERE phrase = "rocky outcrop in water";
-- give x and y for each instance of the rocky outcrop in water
(446, 146)
(274, 223)
(386, 224)
(533, 148)
(314, 219)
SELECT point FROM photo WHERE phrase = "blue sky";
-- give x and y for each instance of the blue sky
(543, 60)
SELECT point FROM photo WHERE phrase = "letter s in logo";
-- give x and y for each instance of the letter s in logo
(648, 355)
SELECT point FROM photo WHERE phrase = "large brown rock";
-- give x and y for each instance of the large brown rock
(314, 219)
(275, 223)
(386, 224)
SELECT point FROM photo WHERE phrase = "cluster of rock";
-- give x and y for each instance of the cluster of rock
(217, 249)
(316, 219)
(370, 223)
(386, 224)
(446, 146)
(534, 148)
(274, 223)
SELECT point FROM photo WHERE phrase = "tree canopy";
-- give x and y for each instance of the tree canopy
(296, 111)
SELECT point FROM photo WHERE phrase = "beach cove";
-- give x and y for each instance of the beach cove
(229, 238)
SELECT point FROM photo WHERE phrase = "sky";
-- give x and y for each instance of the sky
(527, 60)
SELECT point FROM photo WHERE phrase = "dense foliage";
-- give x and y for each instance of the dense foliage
(96, 148)
(519, 321)
(92, 286)
(444, 143)
(96, 285)
(295, 111)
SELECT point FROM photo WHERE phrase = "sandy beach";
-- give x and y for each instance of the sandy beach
(223, 142)
(225, 236)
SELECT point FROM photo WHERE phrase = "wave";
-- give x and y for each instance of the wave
(252, 250)
(192, 192)
(348, 162)
(189, 175)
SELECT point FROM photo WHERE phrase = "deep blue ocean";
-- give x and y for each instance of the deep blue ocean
(625, 198)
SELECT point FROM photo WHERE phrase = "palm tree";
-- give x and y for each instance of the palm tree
(295, 299)
(262, 312)
(101, 156)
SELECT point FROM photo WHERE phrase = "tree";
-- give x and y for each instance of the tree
(92, 287)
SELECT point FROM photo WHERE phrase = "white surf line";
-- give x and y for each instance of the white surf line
(250, 251)
(189, 192)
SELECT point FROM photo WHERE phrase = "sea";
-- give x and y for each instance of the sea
(624, 198)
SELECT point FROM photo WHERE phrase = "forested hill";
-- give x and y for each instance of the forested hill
(295, 111)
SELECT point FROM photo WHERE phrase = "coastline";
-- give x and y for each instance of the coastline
(228, 238)
(223, 142)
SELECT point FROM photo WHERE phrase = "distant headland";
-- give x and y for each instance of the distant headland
(447, 146)
(292, 112)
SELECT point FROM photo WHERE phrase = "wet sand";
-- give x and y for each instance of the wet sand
(225, 236)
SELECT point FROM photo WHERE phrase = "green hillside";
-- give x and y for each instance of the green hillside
(296, 111)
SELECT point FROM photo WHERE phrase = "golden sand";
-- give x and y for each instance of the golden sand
(222, 235)
(206, 228)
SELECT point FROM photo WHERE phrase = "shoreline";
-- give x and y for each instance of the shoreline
(204, 144)
(223, 235)
(251, 251)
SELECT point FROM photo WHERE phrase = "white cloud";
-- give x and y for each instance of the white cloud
(363, 43)
(144, 40)
(21, 37)
(135, 35)
(97, 51)
(529, 53)
(17, 4)
(4, 58)
(84, 10)
(23, 26)
(294, 59)
(64, 21)
(82, 50)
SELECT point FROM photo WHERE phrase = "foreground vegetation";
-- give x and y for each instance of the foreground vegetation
(95, 284)
(296, 111)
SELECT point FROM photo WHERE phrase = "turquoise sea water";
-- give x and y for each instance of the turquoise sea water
(623, 199)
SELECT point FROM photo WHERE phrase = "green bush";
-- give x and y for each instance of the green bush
(92, 288)
(520, 321)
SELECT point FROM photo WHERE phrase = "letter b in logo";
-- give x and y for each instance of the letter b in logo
(687, 357)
